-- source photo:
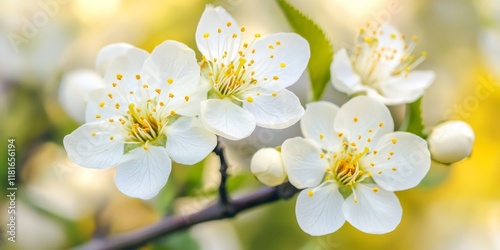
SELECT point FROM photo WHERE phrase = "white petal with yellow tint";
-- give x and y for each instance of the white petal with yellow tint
(319, 212)
(108, 53)
(279, 109)
(188, 141)
(400, 90)
(343, 76)
(303, 162)
(172, 68)
(227, 119)
(363, 120)
(211, 42)
(281, 58)
(318, 124)
(372, 209)
(142, 173)
(402, 161)
(95, 145)
(124, 69)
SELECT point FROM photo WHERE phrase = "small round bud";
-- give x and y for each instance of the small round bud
(267, 167)
(451, 141)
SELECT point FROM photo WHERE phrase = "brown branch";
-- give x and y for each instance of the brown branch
(172, 224)
(224, 200)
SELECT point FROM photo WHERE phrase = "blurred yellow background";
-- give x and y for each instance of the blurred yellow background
(60, 205)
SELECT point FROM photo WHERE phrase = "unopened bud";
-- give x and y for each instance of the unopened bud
(451, 141)
(267, 167)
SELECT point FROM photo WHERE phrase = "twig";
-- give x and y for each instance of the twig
(172, 224)
(224, 199)
(224, 208)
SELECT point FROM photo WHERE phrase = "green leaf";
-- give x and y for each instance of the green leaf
(414, 121)
(177, 241)
(321, 48)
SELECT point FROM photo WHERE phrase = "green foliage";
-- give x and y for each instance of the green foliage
(321, 48)
(177, 241)
(414, 121)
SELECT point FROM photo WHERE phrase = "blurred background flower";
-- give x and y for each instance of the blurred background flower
(60, 205)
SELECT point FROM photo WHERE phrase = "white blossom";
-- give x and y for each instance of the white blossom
(349, 164)
(381, 66)
(248, 81)
(143, 118)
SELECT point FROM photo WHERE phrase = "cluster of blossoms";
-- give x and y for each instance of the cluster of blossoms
(350, 162)
(149, 109)
(144, 111)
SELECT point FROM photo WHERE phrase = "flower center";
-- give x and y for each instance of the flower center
(230, 66)
(375, 62)
(346, 172)
(346, 169)
(231, 79)
(142, 125)
(139, 114)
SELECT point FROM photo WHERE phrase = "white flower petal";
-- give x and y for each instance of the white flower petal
(128, 65)
(101, 107)
(317, 124)
(281, 58)
(213, 44)
(75, 89)
(188, 142)
(390, 40)
(108, 53)
(280, 109)
(401, 163)
(399, 90)
(90, 145)
(143, 173)
(363, 120)
(320, 213)
(303, 164)
(343, 76)
(188, 105)
(374, 212)
(175, 61)
(227, 119)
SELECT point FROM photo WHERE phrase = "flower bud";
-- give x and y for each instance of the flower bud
(451, 141)
(267, 167)
(75, 89)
